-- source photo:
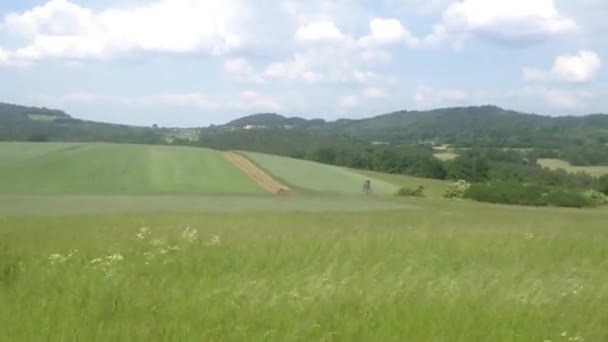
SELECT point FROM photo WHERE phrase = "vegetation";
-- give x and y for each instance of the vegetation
(411, 192)
(457, 190)
(528, 194)
(458, 271)
(28, 168)
(309, 176)
(558, 164)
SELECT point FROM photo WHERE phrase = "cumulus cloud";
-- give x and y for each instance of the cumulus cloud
(579, 68)
(348, 101)
(252, 100)
(387, 32)
(321, 32)
(426, 97)
(63, 29)
(508, 21)
(198, 100)
(561, 99)
(374, 93)
(376, 56)
(241, 70)
(297, 69)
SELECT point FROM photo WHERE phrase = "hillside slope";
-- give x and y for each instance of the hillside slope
(28, 168)
(315, 177)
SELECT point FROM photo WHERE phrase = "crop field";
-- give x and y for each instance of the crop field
(118, 169)
(556, 164)
(87, 260)
(311, 176)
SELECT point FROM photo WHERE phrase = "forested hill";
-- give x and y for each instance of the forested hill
(463, 126)
(21, 123)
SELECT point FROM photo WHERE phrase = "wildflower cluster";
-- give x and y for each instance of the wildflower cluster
(57, 258)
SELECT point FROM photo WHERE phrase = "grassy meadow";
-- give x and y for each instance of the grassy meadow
(556, 164)
(450, 272)
(190, 252)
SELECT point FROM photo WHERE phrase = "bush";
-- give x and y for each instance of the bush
(596, 197)
(457, 189)
(408, 192)
(527, 194)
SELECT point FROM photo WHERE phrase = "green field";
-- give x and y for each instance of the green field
(556, 164)
(306, 175)
(452, 272)
(106, 242)
(29, 168)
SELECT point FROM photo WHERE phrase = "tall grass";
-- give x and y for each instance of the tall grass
(464, 273)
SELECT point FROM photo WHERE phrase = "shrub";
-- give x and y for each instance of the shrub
(527, 194)
(409, 192)
(457, 189)
(596, 197)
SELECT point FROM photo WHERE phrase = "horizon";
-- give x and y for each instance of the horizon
(183, 63)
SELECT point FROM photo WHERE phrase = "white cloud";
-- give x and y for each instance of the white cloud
(387, 32)
(376, 56)
(348, 101)
(427, 97)
(374, 93)
(63, 29)
(198, 100)
(297, 69)
(561, 99)
(241, 70)
(252, 100)
(533, 75)
(577, 68)
(320, 32)
(580, 68)
(511, 21)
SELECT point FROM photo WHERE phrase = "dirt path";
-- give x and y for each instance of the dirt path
(259, 176)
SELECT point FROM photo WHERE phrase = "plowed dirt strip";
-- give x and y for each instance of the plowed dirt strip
(261, 178)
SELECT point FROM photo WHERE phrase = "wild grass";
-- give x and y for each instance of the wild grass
(454, 272)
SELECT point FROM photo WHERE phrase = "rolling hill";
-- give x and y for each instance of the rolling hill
(28, 168)
(128, 169)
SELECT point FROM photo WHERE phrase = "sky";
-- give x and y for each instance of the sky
(200, 62)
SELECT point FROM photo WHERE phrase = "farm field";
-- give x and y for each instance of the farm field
(118, 169)
(556, 164)
(302, 174)
(226, 261)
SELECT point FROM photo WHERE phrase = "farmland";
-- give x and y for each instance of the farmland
(196, 251)
(557, 164)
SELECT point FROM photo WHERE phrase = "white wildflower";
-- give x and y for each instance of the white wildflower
(174, 248)
(57, 258)
(564, 333)
(190, 234)
(214, 241)
(529, 236)
(143, 233)
(156, 242)
(114, 258)
(96, 261)
(163, 251)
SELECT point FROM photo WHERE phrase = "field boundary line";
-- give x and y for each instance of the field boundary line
(259, 176)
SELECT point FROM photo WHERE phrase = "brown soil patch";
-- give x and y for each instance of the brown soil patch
(259, 176)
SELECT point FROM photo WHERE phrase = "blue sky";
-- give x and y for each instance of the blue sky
(197, 62)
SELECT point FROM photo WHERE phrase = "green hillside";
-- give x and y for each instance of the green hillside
(316, 177)
(28, 168)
